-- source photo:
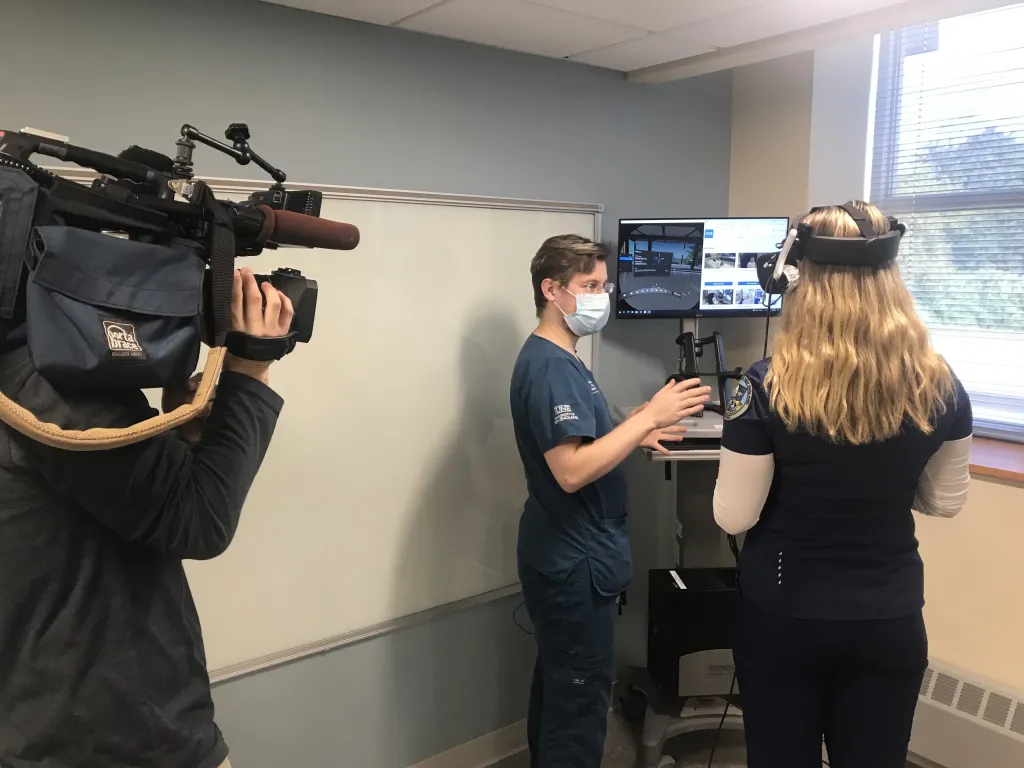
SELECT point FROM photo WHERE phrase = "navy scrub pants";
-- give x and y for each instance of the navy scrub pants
(572, 679)
(855, 683)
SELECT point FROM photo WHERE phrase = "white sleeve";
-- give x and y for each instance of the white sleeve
(942, 489)
(742, 488)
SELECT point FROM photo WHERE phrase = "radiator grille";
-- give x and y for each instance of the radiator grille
(973, 700)
(1017, 726)
(926, 683)
(945, 689)
(970, 699)
(998, 709)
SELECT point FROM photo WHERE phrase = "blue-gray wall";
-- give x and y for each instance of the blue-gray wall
(333, 101)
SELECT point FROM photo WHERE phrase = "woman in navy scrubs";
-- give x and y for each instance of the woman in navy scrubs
(829, 444)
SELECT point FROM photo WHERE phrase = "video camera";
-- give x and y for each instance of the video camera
(164, 281)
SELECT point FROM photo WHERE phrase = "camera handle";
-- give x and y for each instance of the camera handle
(238, 135)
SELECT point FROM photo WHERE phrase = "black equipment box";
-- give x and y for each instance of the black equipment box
(690, 631)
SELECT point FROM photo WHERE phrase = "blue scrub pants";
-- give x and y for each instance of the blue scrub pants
(572, 679)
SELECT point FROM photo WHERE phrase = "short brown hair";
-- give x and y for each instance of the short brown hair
(561, 258)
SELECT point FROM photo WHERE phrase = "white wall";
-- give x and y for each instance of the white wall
(768, 174)
(973, 588)
(840, 111)
(771, 130)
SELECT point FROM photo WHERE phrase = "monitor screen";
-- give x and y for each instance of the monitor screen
(695, 267)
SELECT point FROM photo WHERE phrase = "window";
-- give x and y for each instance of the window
(949, 162)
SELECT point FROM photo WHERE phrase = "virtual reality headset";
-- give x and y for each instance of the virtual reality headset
(779, 272)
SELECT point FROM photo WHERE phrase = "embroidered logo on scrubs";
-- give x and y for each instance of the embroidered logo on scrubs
(593, 388)
(565, 413)
(740, 400)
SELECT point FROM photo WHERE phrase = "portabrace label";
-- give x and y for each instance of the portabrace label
(122, 340)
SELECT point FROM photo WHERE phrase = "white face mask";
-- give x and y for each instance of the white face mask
(591, 315)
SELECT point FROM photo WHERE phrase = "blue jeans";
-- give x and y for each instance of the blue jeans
(572, 679)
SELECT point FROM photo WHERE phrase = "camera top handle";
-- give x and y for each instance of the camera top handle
(238, 135)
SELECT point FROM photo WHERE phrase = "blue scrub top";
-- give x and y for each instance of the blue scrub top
(836, 538)
(555, 398)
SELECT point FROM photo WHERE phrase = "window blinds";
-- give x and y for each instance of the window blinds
(948, 160)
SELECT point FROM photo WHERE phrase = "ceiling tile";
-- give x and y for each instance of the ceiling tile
(373, 11)
(775, 17)
(521, 26)
(656, 48)
(654, 15)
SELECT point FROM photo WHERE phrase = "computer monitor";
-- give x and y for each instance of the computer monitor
(676, 268)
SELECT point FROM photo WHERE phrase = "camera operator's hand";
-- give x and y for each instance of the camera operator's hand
(248, 315)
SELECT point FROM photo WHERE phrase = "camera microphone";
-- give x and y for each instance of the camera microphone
(289, 228)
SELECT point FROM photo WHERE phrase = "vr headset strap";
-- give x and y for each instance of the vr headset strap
(866, 230)
(102, 439)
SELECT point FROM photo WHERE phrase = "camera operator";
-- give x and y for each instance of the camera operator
(101, 655)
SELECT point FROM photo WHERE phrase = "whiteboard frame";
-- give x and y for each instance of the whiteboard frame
(331, 191)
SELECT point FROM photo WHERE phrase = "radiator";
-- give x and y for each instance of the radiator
(964, 721)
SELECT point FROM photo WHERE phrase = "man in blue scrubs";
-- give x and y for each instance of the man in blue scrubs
(574, 558)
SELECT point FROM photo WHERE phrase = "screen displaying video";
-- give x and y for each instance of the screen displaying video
(695, 267)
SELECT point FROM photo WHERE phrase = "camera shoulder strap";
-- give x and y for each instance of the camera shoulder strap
(102, 439)
(222, 266)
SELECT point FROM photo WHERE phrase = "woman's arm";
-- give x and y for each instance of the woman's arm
(742, 488)
(942, 489)
(747, 463)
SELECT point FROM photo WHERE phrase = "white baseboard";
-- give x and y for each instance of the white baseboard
(482, 752)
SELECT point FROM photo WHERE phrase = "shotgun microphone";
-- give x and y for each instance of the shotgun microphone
(289, 228)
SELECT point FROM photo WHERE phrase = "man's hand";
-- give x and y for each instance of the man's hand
(675, 401)
(175, 397)
(657, 437)
(248, 315)
(669, 434)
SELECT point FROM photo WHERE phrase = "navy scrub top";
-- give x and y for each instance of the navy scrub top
(836, 537)
(554, 398)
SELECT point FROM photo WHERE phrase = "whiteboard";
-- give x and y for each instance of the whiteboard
(392, 484)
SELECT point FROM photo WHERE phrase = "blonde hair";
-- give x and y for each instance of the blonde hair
(852, 360)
